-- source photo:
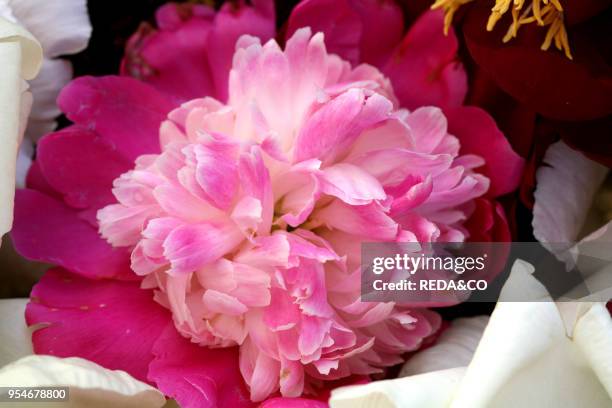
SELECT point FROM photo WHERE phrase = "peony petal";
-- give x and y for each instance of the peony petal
(174, 58)
(479, 135)
(338, 20)
(559, 214)
(515, 372)
(58, 236)
(98, 316)
(356, 30)
(592, 335)
(231, 23)
(54, 75)
(351, 184)
(393, 166)
(61, 25)
(331, 129)
(196, 376)
(21, 57)
(364, 220)
(189, 247)
(293, 403)
(126, 112)
(423, 69)
(90, 384)
(454, 348)
(65, 159)
(431, 390)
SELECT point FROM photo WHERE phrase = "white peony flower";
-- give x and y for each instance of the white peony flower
(90, 385)
(21, 57)
(531, 355)
(62, 27)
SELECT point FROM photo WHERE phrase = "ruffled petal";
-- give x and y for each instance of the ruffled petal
(230, 24)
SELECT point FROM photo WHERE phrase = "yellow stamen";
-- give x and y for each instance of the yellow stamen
(449, 7)
(544, 12)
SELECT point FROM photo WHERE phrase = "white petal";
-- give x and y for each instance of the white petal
(564, 191)
(6, 12)
(522, 285)
(21, 56)
(527, 359)
(61, 26)
(14, 333)
(454, 348)
(91, 385)
(430, 390)
(54, 75)
(593, 335)
(24, 162)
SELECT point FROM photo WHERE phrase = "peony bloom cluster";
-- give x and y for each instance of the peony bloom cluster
(248, 223)
(217, 236)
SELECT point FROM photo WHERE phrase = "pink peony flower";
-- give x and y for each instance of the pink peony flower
(232, 223)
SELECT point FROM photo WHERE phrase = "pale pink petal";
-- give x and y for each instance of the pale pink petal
(232, 22)
(393, 166)
(351, 184)
(192, 246)
(219, 302)
(364, 220)
(330, 130)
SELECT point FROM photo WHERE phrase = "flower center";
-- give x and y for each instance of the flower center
(546, 13)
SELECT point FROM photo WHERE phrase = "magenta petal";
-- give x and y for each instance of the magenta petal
(68, 161)
(356, 30)
(36, 180)
(46, 230)
(126, 112)
(479, 135)
(293, 403)
(383, 26)
(112, 323)
(196, 376)
(423, 69)
(173, 59)
(340, 23)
